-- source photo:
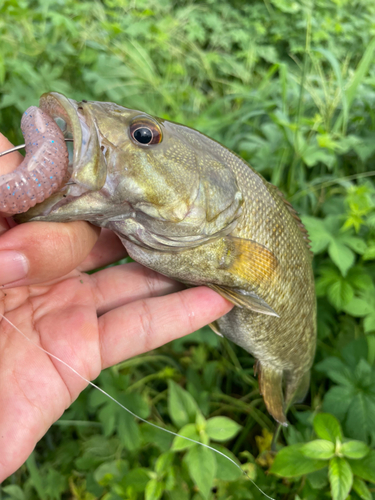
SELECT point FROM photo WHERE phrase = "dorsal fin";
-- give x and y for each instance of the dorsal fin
(293, 212)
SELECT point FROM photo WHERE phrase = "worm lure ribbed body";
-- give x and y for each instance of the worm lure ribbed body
(44, 168)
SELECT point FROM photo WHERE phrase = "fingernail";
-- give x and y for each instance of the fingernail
(13, 266)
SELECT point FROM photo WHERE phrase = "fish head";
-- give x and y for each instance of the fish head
(130, 166)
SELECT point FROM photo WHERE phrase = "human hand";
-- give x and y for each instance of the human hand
(89, 321)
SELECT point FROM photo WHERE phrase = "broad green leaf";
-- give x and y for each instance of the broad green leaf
(128, 432)
(361, 489)
(164, 462)
(189, 431)
(181, 405)
(340, 294)
(291, 462)
(222, 428)
(318, 234)
(106, 472)
(341, 255)
(354, 449)
(201, 463)
(364, 467)
(137, 479)
(369, 323)
(320, 449)
(154, 490)
(340, 477)
(360, 421)
(226, 470)
(338, 400)
(358, 308)
(14, 492)
(327, 427)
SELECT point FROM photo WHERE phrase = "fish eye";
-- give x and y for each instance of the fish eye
(145, 131)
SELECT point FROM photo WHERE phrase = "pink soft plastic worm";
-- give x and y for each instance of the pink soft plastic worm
(44, 168)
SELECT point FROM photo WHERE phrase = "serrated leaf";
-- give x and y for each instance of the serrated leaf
(361, 489)
(340, 477)
(337, 401)
(340, 294)
(291, 462)
(354, 449)
(181, 405)
(189, 431)
(201, 463)
(360, 420)
(327, 427)
(222, 428)
(320, 449)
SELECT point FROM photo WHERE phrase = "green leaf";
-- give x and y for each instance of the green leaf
(364, 467)
(319, 236)
(369, 323)
(320, 449)
(14, 492)
(291, 462)
(358, 308)
(222, 428)
(136, 479)
(201, 463)
(164, 463)
(35, 476)
(340, 477)
(327, 427)
(181, 405)
(154, 490)
(342, 256)
(361, 489)
(340, 294)
(225, 469)
(189, 431)
(354, 449)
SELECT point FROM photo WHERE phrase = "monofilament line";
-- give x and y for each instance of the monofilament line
(129, 411)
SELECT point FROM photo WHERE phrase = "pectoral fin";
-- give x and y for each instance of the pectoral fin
(251, 261)
(245, 299)
(271, 388)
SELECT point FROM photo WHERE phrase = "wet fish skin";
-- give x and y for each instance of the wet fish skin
(192, 210)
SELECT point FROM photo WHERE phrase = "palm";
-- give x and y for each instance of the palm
(89, 322)
(37, 389)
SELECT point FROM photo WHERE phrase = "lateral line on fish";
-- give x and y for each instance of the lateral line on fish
(129, 411)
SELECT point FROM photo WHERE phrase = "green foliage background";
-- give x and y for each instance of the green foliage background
(290, 86)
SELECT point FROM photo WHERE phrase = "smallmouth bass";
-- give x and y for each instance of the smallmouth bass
(187, 207)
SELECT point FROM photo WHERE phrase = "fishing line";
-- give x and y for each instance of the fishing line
(129, 411)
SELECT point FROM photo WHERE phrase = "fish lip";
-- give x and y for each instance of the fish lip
(82, 129)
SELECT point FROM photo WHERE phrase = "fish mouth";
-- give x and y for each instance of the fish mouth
(87, 167)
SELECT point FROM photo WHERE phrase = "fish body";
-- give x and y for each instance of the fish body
(189, 208)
